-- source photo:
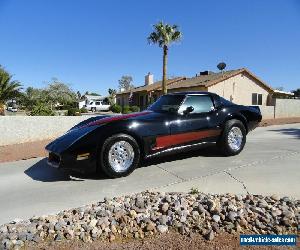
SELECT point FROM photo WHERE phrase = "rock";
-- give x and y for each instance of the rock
(163, 220)
(232, 215)
(146, 213)
(183, 219)
(29, 236)
(133, 213)
(216, 218)
(112, 238)
(162, 228)
(58, 226)
(263, 204)
(16, 220)
(93, 222)
(12, 236)
(59, 237)
(275, 197)
(287, 222)
(210, 236)
(211, 205)
(23, 236)
(288, 214)
(150, 226)
(238, 197)
(3, 229)
(165, 207)
(7, 244)
(215, 227)
(243, 222)
(140, 203)
(276, 212)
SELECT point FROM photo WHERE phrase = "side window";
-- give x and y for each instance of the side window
(200, 103)
(98, 103)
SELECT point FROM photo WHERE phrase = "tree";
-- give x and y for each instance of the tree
(164, 35)
(58, 92)
(92, 93)
(112, 95)
(78, 95)
(31, 97)
(125, 83)
(296, 92)
(9, 89)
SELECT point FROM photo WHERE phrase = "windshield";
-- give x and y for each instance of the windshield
(167, 103)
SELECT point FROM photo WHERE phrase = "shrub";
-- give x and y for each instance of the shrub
(194, 191)
(134, 109)
(126, 109)
(116, 108)
(41, 109)
(73, 112)
(83, 110)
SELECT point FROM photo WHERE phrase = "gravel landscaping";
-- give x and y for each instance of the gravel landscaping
(145, 214)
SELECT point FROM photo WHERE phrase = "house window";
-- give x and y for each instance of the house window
(256, 99)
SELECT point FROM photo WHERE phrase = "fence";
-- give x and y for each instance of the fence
(19, 129)
(283, 108)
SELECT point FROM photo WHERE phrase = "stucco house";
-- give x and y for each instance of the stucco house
(239, 86)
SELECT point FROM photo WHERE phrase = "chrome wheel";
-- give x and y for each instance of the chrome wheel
(121, 156)
(235, 138)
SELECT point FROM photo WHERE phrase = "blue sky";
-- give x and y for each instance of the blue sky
(90, 44)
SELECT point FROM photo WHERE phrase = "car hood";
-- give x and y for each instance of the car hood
(80, 130)
(109, 119)
(68, 139)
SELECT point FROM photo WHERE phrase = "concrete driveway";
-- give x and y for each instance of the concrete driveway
(270, 163)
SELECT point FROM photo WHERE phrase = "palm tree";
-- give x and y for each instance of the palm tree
(8, 89)
(164, 35)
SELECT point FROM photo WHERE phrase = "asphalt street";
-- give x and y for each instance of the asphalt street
(269, 164)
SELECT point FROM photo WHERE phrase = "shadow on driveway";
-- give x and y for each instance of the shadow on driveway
(289, 131)
(41, 171)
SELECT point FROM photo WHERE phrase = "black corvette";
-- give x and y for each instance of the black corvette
(116, 144)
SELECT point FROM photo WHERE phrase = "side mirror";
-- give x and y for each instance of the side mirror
(188, 110)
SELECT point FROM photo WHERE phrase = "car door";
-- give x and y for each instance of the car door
(98, 106)
(197, 125)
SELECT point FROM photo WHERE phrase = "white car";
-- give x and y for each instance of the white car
(12, 109)
(98, 106)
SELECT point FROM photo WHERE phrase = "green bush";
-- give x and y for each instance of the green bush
(73, 112)
(41, 109)
(134, 109)
(116, 108)
(126, 110)
(83, 110)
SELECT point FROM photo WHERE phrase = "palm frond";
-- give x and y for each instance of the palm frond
(164, 34)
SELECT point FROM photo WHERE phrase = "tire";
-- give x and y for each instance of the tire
(120, 155)
(93, 109)
(233, 138)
